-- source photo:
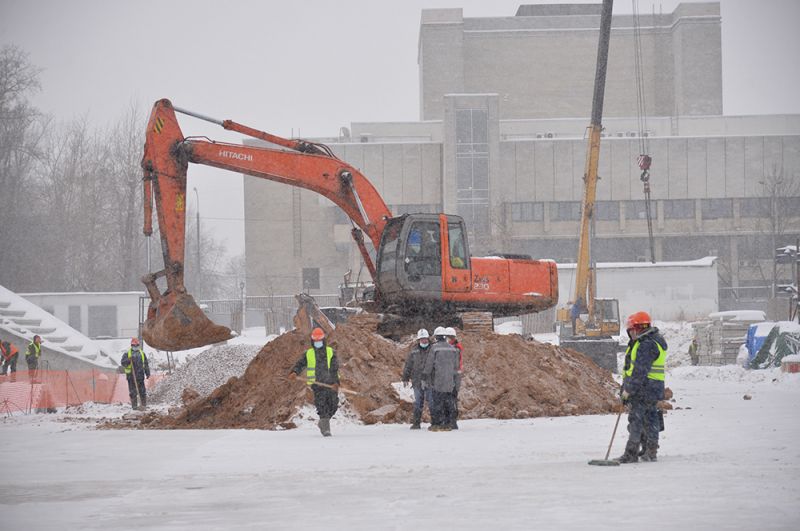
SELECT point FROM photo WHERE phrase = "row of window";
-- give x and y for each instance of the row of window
(749, 207)
(620, 249)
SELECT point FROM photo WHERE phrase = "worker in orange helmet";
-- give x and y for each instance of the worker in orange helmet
(322, 374)
(643, 386)
(136, 368)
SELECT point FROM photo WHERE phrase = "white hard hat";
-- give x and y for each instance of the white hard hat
(450, 331)
(439, 331)
(422, 334)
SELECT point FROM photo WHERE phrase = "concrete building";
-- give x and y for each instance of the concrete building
(504, 106)
(96, 314)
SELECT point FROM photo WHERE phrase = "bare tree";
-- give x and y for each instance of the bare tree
(21, 127)
(778, 214)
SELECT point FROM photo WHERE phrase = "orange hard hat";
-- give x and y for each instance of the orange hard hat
(135, 342)
(637, 319)
(317, 334)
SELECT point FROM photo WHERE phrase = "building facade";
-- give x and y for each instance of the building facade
(504, 107)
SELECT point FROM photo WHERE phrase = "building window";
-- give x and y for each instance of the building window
(754, 207)
(75, 317)
(636, 210)
(472, 169)
(102, 321)
(565, 211)
(310, 278)
(679, 209)
(606, 210)
(527, 211)
(717, 208)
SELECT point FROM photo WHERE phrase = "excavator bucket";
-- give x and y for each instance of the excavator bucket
(309, 316)
(176, 322)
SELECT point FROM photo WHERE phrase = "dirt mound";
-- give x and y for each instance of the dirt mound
(505, 377)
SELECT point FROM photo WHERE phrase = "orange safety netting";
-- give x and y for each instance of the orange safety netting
(26, 391)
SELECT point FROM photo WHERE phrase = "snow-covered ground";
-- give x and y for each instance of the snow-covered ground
(725, 463)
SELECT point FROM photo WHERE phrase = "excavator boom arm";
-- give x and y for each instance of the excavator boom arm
(167, 154)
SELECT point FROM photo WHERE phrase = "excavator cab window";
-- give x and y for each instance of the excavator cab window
(458, 248)
(422, 250)
(387, 260)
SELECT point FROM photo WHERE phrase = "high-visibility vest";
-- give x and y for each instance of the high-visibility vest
(129, 367)
(657, 369)
(10, 353)
(36, 348)
(311, 364)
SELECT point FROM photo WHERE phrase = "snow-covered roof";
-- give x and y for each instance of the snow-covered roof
(21, 317)
(708, 261)
(739, 315)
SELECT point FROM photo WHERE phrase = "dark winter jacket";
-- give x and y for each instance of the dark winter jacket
(323, 374)
(441, 367)
(638, 385)
(141, 369)
(415, 364)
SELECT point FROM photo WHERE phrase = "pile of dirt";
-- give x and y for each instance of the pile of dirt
(504, 377)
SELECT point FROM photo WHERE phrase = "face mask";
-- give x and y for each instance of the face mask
(317, 344)
(424, 344)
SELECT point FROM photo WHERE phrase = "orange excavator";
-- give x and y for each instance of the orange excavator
(422, 266)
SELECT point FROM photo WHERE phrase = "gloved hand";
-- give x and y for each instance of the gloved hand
(335, 387)
(292, 375)
(405, 383)
(625, 397)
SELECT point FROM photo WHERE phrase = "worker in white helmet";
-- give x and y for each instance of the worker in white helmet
(412, 373)
(441, 370)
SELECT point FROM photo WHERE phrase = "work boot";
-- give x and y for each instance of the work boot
(650, 452)
(643, 446)
(415, 421)
(631, 454)
(134, 405)
(434, 427)
(325, 426)
(144, 402)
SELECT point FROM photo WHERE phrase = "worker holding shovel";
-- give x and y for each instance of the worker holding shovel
(322, 374)
(643, 386)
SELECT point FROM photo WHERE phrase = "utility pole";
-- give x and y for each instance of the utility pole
(199, 277)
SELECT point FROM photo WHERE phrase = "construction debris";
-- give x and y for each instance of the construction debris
(504, 377)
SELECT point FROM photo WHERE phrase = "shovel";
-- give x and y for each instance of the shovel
(607, 461)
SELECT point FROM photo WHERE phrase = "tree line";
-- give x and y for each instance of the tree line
(71, 199)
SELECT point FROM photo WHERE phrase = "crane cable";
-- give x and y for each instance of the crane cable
(644, 160)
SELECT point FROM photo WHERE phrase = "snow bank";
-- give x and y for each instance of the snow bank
(734, 373)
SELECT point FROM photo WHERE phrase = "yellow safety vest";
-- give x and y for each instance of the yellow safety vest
(656, 371)
(311, 364)
(129, 367)
(37, 348)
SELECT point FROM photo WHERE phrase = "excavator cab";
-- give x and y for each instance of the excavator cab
(417, 254)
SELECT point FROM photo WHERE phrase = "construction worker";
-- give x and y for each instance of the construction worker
(453, 340)
(33, 354)
(412, 371)
(441, 370)
(643, 386)
(137, 369)
(322, 374)
(9, 354)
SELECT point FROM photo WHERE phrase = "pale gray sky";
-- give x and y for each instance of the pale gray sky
(309, 66)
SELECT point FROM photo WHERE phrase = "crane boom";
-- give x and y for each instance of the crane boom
(582, 269)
